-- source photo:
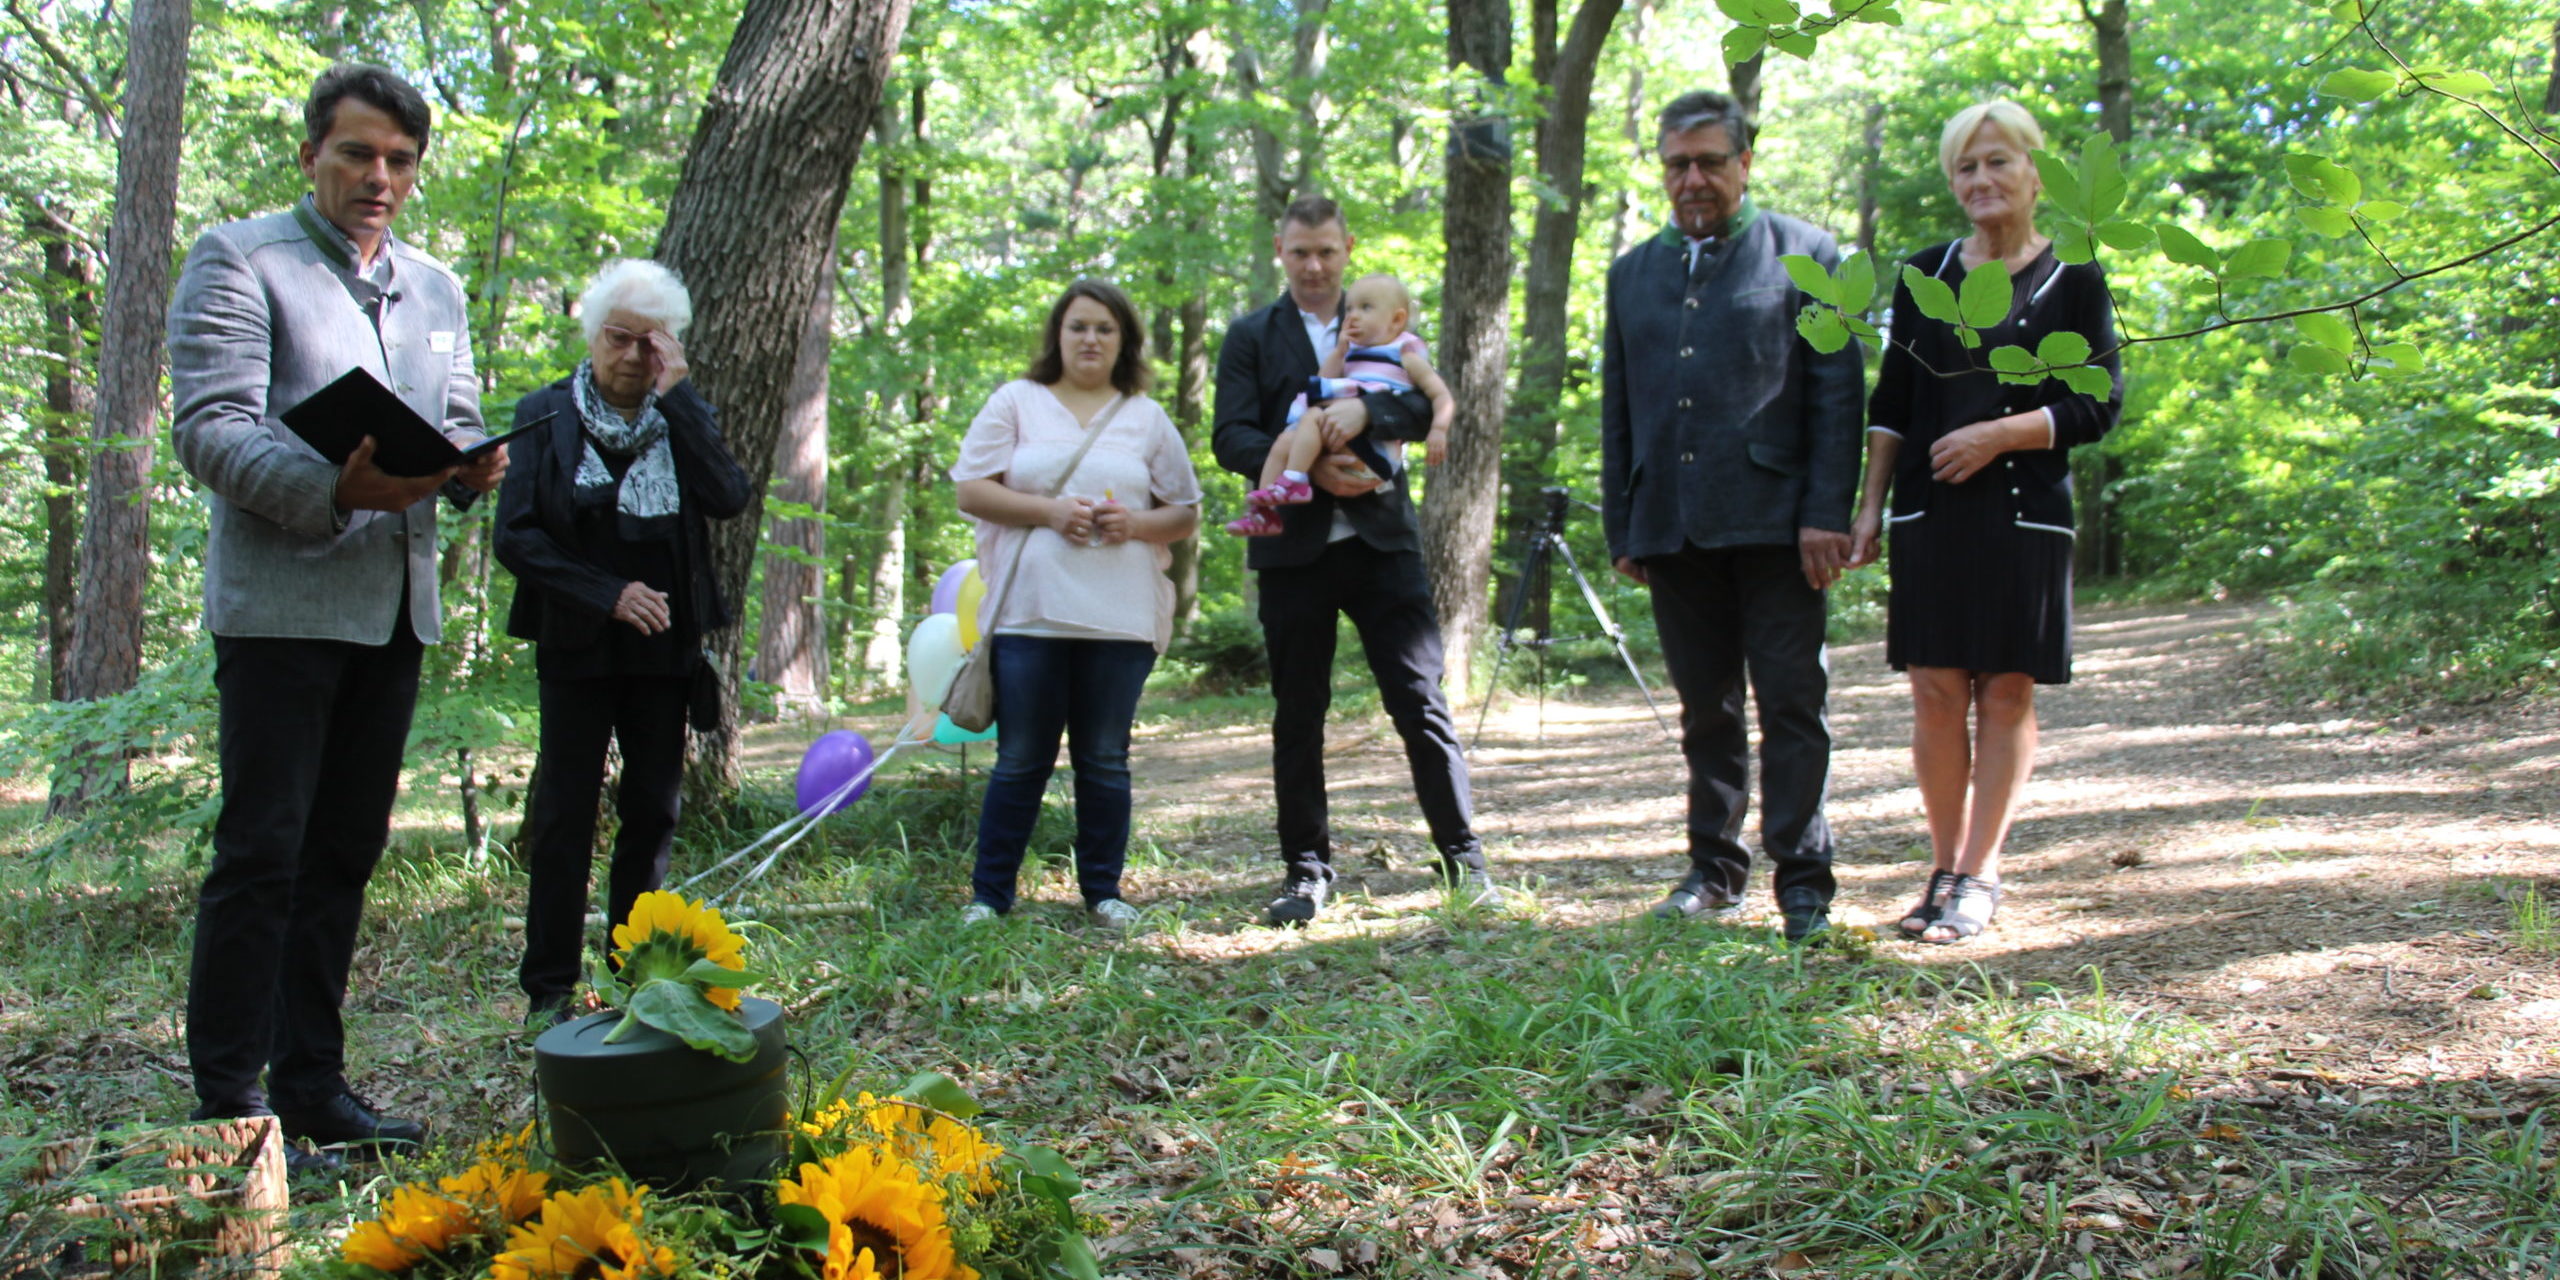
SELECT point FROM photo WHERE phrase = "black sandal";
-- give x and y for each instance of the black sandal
(1970, 905)
(1933, 899)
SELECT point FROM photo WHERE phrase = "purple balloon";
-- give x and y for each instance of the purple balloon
(946, 589)
(832, 761)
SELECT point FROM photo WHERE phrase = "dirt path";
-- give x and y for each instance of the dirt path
(2327, 889)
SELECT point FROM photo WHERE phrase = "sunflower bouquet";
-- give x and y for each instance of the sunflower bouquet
(904, 1186)
(678, 966)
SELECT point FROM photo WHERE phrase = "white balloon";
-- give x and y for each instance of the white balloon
(933, 657)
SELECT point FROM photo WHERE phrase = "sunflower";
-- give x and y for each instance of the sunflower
(593, 1234)
(414, 1223)
(508, 1192)
(933, 1141)
(884, 1222)
(667, 933)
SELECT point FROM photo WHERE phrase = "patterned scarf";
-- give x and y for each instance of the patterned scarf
(648, 502)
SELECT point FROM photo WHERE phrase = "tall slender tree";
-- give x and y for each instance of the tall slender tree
(1475, 325)
(115, 549)
(791, 648)
(749, 224)
(2099, 549)
(1566, 63)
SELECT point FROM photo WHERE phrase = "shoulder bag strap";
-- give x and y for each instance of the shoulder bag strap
(995, 608)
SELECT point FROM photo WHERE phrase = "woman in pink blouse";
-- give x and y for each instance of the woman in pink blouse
(1076, 635)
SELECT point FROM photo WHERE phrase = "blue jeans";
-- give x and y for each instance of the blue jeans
(1087, 690)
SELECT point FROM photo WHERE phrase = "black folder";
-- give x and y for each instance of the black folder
(336, 418)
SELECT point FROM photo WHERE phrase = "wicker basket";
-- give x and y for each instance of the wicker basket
(218, 1211)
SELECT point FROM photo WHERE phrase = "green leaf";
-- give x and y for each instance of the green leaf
(2061, 185)
(2071, 243)
(2460, 84)
(1987, 294)
(1047, 1163)
(2180, 245)
(2325, 221)
(680, 1011)
(2259, 258)
(2124, 235)
(2327, 330)
(1810, 277)
(1857, 279)
(1795, 44)
(1931, 294)
(2016, 364)
(2322, 179)
(2063, 347)
(1742, 44)
(1861, 330)
(2397, 359)
(801, 1226)
(940, 1092)
(2088, 380)
(1969, 336)
(2102, 177)
(707, 974)
(1077, 1259)
(2381, 210)
(1738, 10)
(1774, 13)
(1821, 328)
(2357, 85)
(2313, 358)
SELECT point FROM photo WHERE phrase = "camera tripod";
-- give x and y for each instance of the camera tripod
(1536, 574)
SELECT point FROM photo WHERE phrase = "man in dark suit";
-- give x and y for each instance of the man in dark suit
(1729, 453)
(1355, 552)
(320, 592)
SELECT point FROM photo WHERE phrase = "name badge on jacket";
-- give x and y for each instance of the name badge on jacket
(440, 342)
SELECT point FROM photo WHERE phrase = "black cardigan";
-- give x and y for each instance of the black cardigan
(563, 599)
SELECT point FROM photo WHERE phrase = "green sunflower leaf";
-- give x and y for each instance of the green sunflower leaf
(685, 1013)
(800, 1226)
(1077, 1258)
(709, 974)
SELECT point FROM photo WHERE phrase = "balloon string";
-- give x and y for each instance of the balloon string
(791, 829)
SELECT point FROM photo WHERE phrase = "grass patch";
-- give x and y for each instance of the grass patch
(1408, 1091)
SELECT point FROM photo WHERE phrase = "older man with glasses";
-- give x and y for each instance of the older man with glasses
(1729, 457)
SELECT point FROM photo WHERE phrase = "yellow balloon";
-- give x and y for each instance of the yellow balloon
(973, 592)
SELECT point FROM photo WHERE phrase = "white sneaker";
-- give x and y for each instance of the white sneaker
(976, 913)
(1112, 913)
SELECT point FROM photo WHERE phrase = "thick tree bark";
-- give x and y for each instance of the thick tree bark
(1475, 345)
(2099, 551)
(115, 551)
(750, 221)
(1638, 131)
(70, 311)
(1567, 69)
(791, 646)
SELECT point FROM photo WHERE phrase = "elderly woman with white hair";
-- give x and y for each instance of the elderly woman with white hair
(1979, 475)
(606, 526)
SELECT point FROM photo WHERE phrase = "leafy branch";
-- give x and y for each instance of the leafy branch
(2090, 196)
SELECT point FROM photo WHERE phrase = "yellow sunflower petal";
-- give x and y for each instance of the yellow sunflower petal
(597, 1232)
(414, 1223)
(883, 1217)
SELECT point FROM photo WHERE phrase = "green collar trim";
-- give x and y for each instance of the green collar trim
(1742, 219)
(331, 247)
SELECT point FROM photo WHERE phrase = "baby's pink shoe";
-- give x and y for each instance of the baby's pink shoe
(1257, 523)
(1283, 492)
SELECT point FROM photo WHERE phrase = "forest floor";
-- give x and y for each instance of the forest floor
(2333, 891)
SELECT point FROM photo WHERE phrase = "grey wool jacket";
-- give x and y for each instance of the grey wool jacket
(261, 319)
(1719, 426)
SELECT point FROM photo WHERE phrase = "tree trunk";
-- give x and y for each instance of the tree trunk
(884, 645)
(1623, 230)
(2551, 91)
(2099, 551)
(70, 309)
(1568, 72)
(1745, 83)
(1277, 179)
(1871, 179)
(115, 550)
(791, 646)
(750, 221)
(1475, 345)
(1190, 405)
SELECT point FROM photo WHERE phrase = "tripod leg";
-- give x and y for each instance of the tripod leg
(1530, 566)
(1618, 637)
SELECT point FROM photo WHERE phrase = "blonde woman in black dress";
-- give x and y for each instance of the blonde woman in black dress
(1980, 521)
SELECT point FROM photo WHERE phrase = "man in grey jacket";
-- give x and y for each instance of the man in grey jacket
(320, 589)
(1729, 455)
